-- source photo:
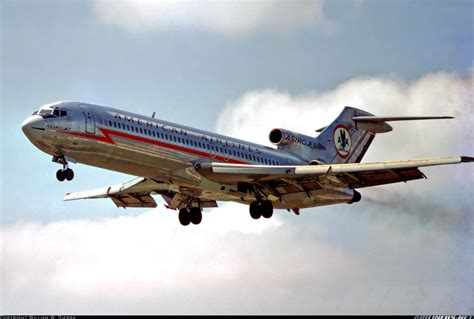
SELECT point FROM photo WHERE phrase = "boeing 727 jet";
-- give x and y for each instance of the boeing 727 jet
(193, 169)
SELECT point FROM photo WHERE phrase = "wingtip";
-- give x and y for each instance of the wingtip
(467, 159)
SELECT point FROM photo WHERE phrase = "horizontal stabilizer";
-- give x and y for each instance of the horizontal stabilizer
(375, 119)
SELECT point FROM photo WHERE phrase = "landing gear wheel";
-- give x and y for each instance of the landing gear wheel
(60, 175)
(255, 208)
(196, 215)
(184, 216)
(69, 174)
(267, 209)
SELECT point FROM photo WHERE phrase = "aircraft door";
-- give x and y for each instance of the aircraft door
(90, 120)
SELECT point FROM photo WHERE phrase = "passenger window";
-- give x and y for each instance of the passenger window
(141, 130)
(115, 124)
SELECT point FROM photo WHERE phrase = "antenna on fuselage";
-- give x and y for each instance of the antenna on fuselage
(153, 115)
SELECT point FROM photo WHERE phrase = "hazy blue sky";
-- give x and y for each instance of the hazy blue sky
(240, 68)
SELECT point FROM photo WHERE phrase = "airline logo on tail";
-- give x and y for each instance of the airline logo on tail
(342, 141)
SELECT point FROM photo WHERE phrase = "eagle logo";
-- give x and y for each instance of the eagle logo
(342, 141)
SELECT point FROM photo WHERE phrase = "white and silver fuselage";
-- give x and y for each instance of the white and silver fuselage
(143, 146)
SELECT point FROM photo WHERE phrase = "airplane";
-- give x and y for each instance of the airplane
(193, 169)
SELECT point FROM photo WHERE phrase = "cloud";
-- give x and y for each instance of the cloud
(403, 249)
(256, 113)
(150, 264)
(223, 17)
(253, 115)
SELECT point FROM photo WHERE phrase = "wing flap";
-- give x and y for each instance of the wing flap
(138, 200)
(374, 178)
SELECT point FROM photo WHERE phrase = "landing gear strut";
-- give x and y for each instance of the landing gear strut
(260, 208)
(192, 215)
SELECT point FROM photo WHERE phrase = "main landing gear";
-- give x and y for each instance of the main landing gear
(190, 215)
(260, 208)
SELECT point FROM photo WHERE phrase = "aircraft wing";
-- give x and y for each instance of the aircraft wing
(288, 179)
(135, 193)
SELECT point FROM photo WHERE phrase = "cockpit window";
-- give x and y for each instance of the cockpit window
(50, 112)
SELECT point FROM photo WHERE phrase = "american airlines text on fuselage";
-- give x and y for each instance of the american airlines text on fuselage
(181, 131)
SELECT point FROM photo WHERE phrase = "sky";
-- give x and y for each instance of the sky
(240, 68)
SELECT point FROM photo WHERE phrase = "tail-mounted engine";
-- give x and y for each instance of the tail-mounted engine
(298, 144)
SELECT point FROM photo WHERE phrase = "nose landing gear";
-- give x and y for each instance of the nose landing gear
(65, 173)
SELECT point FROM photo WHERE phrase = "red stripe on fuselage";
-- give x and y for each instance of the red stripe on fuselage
(107, 139)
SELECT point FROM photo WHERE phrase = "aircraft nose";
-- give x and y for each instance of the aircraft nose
(33, 127)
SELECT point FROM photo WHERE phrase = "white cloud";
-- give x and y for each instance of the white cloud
(331, 261)
(403, 249)
(226, 17)
(252, 116)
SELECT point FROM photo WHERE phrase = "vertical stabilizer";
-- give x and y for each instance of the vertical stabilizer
(346, 141)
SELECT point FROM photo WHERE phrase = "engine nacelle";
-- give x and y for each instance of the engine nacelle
(356, 198)
(282, 138)
(303, 146)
